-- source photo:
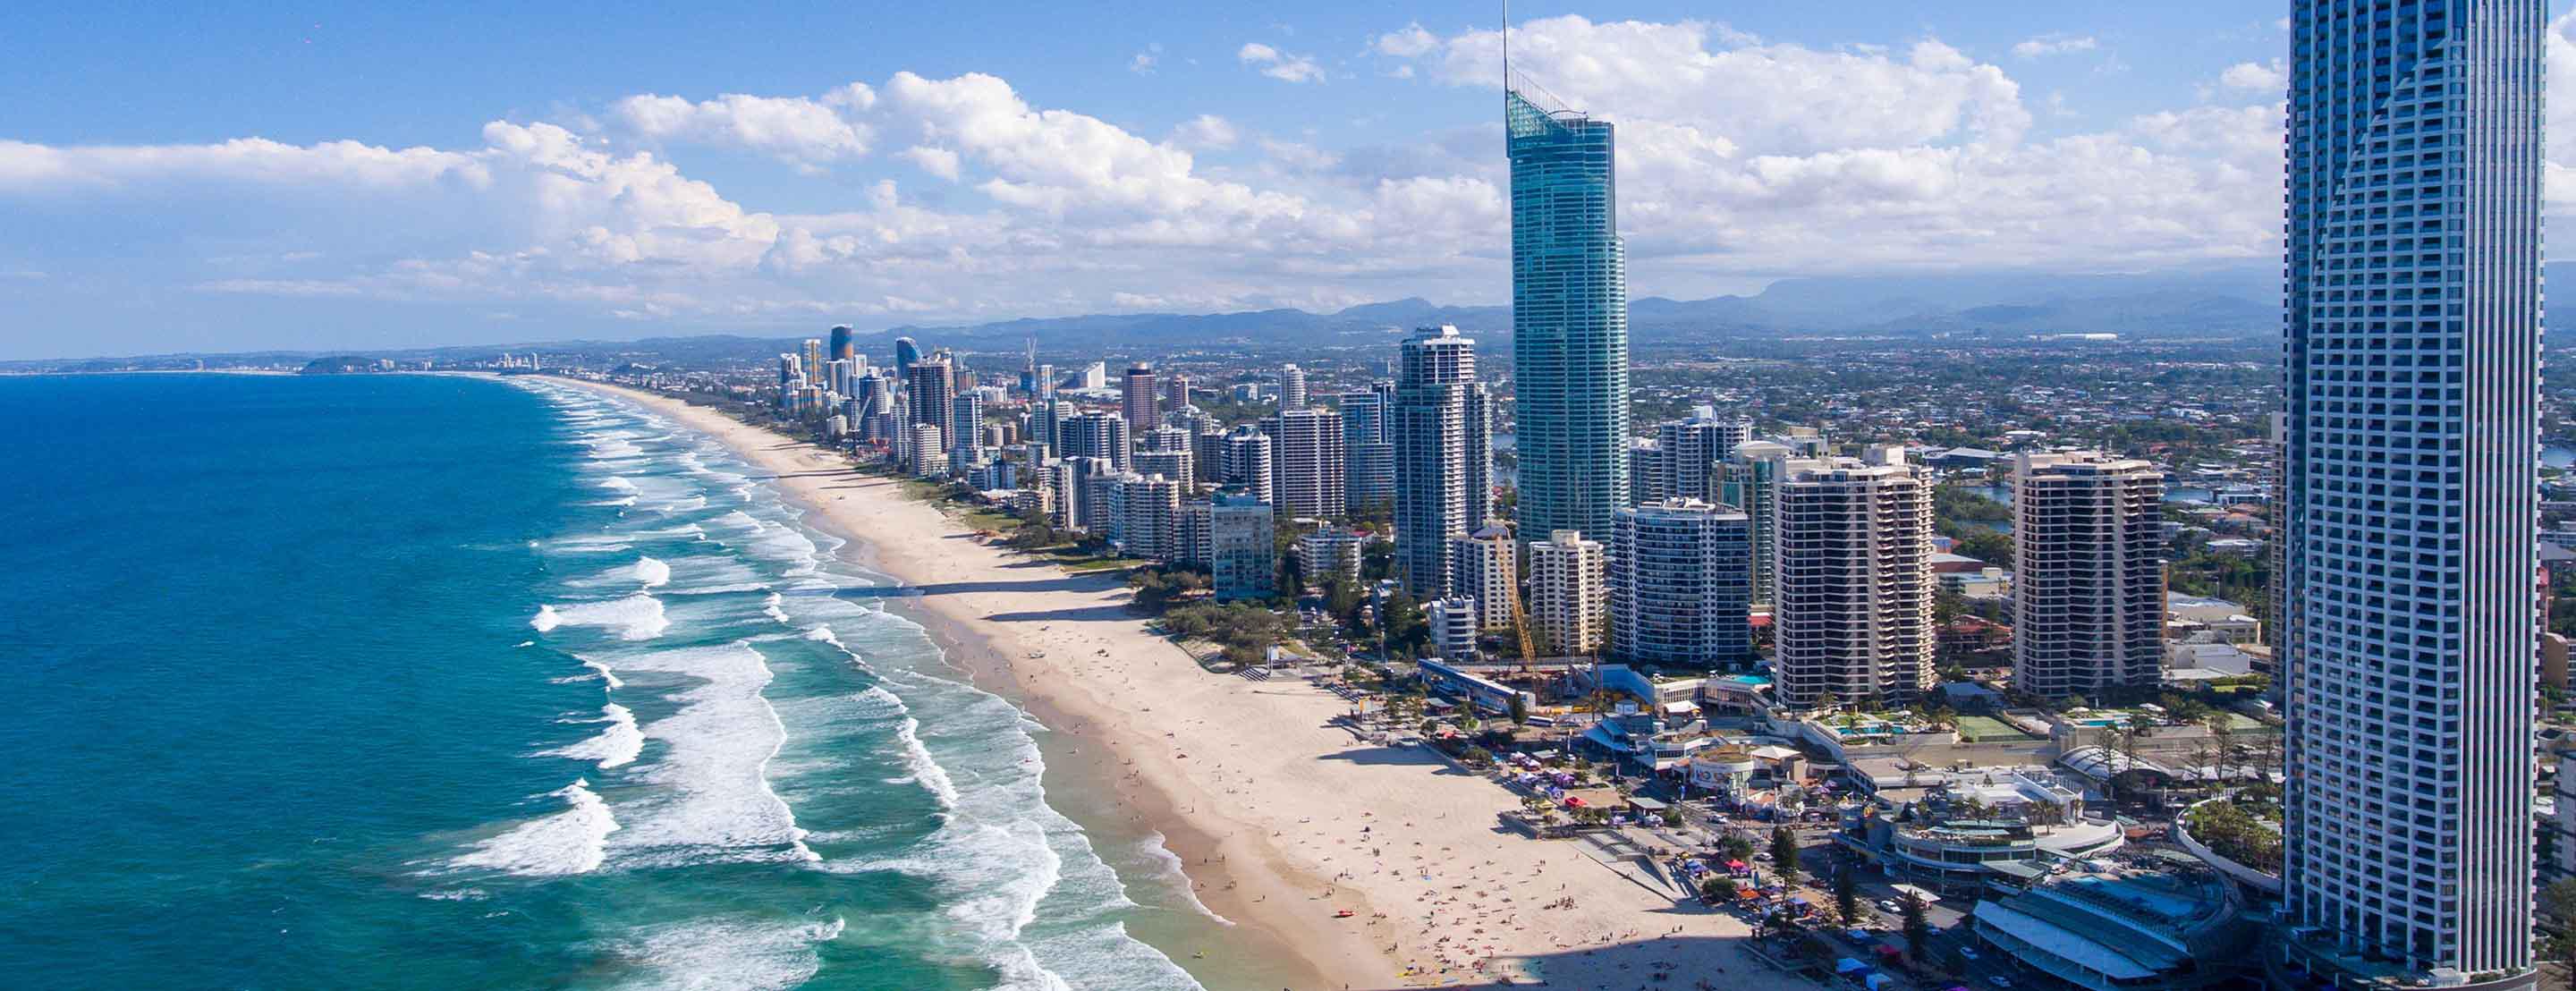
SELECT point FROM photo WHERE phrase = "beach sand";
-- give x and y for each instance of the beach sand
(1281, 817)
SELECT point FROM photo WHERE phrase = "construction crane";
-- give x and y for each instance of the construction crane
(1529, 644)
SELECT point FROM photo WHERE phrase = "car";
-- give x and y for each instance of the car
(2000, 981)
(1889, 906)
(1969, 952)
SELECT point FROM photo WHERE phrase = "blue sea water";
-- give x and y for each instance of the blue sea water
(410, 682)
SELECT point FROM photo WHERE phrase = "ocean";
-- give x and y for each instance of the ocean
(433, 682)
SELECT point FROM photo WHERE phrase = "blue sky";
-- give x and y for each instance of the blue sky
(316, 177)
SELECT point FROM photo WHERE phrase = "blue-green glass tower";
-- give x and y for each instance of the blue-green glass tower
(1569, 320)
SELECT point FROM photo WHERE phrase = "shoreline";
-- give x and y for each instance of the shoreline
(1279, 815)
(1238, 891)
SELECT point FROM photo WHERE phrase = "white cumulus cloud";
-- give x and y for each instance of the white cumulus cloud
(1280, 65)
(2055, 44)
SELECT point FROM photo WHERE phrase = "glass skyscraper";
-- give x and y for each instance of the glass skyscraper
(2412, 362)
(1569, 320)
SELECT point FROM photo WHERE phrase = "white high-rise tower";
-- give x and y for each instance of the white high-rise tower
(1440, 426)
(2412, 364)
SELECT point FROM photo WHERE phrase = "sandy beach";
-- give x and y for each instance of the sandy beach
(1281, 817)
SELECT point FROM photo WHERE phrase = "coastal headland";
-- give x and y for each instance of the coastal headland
(1282, 816)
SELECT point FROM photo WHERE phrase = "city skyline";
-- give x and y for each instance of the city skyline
(658, 199)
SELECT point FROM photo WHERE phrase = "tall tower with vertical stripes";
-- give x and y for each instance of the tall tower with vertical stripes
(1569, 319)
(2412, 357)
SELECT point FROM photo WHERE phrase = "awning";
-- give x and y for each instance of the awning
(2065, 944)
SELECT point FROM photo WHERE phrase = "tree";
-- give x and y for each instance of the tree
(1520, 709)
(1342, 599)
(1718, 888)
(1918, 928)
(1406, 628)
(2222, 740)
(1987, 546)
(2557, 905)
(1292, 577)
(1784, 853)
(1846, 894)
(1737, 847)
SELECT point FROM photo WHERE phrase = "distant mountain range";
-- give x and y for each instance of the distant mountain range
(2225, 302)
(2241, 302)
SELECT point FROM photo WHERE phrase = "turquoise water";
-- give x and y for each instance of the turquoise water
(382, 682)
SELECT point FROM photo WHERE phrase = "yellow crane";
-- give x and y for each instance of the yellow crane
(1520, 625)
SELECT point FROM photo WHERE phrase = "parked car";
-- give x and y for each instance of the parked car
(2000, 981)
(1969, 952)
(1889, 906)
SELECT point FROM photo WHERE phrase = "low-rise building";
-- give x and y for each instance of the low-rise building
(1453, 627)
(2158, 924)
(1330, 552)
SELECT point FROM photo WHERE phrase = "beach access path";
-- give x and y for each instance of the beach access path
(1281, 816)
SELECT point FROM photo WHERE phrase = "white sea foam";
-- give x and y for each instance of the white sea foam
(606, 676)
(716, 801)
(569, 842)
(728, 953)
(925, 768)
(635, 617)
(619, 483)
(1173, 873)
(456, 895)
(615, 746)
(771, 608)
(652, 572)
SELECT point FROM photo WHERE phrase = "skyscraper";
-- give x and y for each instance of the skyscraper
(1680, 584)
(1853, 604)
(840, 347)
(1306, 461)
(1176, 392)
(1369, 478)
(929, 390)
(1094, 434)
(2411, 354)
(965, 417)
(905, 354)
(1242, 543)
(1292, 387)
(1752, 483)
(1484, 566)
(1243, 461)
(1440, 427)
(1143, 406)
(1569, 319)
(1689, 452)
(1568, 600)
(2088, 574)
